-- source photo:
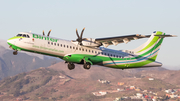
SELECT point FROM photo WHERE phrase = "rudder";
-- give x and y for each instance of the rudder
(150, 48)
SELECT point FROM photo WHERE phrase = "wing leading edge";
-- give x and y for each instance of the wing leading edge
(119, 39)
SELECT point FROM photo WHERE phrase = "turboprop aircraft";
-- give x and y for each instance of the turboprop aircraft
(88, 51)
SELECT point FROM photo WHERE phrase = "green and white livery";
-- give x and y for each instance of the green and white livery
(89, 51)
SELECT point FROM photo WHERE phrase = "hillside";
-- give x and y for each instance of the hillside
(170, 76)
(96, 72)
(11, 65)
(57, 83)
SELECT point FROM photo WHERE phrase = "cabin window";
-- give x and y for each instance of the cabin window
(98, 52)
(58, 44)
(55, 44)
(111, 55)
(73, 47)
(76, 48)
(92, 51)
(64, 45)
(104, 53)
(28, 36)
(86, 50)
(70, 47)
(95, 51)
(108, 54)
(61, 45)
(117, 56)
(67, 46)
(51, 43)
(83, 49)
(114, 55)
(48, 42)
(80, 49)
(89, 50)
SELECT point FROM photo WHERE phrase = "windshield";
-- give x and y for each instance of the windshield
(23, 35)
(19, 35)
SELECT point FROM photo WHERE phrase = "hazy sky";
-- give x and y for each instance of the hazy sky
(101, 18)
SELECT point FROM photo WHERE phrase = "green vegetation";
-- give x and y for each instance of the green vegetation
(32, 88)
(10, 80)
(53, 90)
(46, 80)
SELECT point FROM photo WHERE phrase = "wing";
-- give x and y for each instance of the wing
(119, 39)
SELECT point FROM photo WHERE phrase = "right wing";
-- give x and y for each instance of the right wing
(119, 39)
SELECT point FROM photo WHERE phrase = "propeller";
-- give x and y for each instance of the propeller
(48, 33)
(79, 39)
(43, 33)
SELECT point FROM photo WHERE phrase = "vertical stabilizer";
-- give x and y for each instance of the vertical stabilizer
(150, 48)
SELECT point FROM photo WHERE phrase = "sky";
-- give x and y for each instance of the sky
(101, 18)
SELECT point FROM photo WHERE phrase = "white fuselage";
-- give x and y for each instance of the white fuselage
(64, 49)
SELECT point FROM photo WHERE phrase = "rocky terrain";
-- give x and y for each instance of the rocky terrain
(57, 83)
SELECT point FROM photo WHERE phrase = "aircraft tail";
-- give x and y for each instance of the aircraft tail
(151, 48)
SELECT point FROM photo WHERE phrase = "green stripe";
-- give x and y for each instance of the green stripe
(154, 40)
(16, 37)
(78, 57)
(134, 65)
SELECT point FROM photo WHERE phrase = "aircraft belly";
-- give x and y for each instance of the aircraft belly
(153, 64)
(132, 63)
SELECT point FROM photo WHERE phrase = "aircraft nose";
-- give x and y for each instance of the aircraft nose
(10, 41)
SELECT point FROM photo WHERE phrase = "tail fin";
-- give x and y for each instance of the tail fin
(151, 47)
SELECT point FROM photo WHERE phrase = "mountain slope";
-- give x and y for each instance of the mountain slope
(11, 65)
(100, 71)
(57, 83)
(169, 76)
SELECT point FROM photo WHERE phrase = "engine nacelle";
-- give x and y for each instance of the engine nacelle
(89, 42)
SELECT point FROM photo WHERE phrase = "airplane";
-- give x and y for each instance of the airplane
(88, 51)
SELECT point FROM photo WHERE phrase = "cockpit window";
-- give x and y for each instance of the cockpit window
(23, 35)
(19, 35)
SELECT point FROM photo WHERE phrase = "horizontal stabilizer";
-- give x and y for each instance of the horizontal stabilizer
(162, 36)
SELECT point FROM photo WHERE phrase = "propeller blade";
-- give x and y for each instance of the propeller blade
(79, 39)
(43, 33)
(49, 33)
(77, 33)
(82, 33)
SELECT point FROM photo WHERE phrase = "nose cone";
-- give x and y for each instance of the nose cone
(11, 41)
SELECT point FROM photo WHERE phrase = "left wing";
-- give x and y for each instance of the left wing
(119, 39)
